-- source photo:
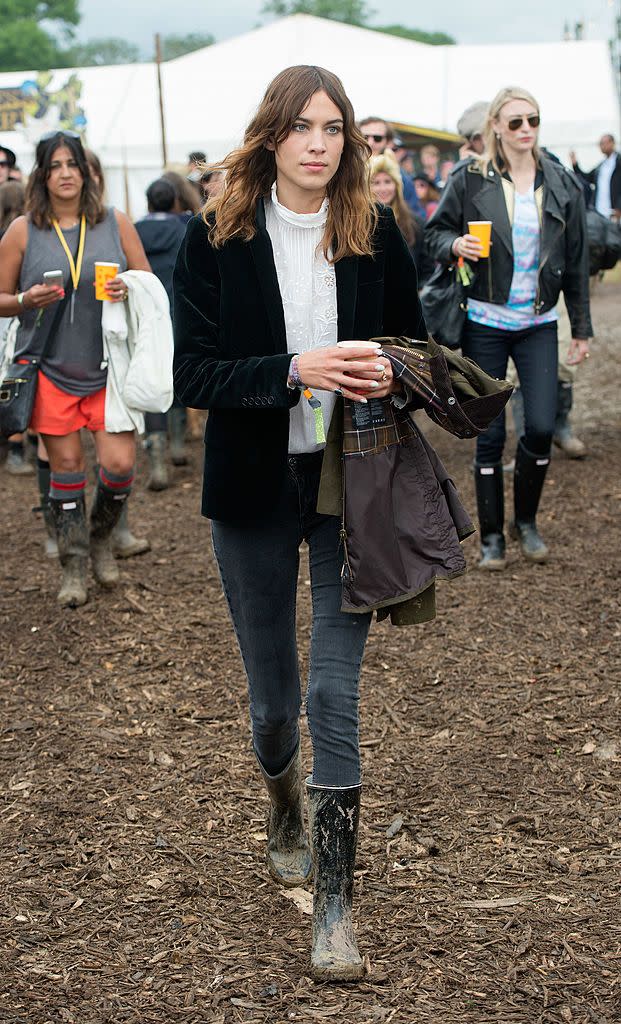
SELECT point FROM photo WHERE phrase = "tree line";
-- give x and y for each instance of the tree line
(40, 34)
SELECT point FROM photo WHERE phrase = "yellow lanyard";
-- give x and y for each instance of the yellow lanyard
(74, 267)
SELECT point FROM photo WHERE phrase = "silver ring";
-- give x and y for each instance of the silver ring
(337, 391)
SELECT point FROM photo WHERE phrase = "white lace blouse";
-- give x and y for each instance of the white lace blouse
(307, 285)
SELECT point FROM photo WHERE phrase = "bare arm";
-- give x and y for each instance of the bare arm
(12, 249)
(131, 244)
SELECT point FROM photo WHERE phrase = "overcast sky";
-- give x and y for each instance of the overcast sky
(470, 21)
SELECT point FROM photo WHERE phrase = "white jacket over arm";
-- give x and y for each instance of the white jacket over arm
(138, 350)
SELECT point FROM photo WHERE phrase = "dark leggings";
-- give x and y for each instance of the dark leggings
(535, 354)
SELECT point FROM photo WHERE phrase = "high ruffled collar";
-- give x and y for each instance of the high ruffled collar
(300, 220)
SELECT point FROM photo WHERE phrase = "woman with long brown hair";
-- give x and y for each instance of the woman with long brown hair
(67, 228)
(539, 247)
(289, 259)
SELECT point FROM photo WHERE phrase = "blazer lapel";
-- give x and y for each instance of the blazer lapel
(346, 271)
(263, 256)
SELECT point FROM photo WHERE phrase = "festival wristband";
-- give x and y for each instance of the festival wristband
(294, 380)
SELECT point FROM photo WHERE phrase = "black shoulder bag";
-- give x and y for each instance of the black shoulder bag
(19, 388)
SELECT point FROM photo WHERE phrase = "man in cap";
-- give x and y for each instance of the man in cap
(470, 126)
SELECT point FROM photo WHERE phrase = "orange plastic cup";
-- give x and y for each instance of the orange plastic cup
(482, 229)
(104, 272)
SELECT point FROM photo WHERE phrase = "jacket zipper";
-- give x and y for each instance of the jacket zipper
(538, 303)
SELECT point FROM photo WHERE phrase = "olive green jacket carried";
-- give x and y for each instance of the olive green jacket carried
(402, 522)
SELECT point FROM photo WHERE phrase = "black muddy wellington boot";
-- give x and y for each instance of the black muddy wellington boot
(105, 514)
(69, 519)
(43, 481)
(288, 856)
(177, 426)
(334, 816)
(529, 477)
(489, 486)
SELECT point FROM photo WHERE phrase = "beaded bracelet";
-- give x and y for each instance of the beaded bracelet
(294, 379)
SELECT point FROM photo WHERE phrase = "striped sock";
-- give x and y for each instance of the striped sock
(119, 486)
(68, 487)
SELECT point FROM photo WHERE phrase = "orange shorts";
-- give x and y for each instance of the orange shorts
(56, 412)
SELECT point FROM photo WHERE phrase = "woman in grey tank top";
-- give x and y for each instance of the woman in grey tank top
(68, 229)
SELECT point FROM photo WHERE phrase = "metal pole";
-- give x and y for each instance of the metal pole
(158, 64)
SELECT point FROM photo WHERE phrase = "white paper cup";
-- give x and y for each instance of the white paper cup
(374, 345)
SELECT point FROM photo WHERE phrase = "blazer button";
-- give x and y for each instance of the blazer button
(264, 400)
(270, 400)
(244, 401)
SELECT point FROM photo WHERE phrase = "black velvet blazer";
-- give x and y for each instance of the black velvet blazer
(231, 351)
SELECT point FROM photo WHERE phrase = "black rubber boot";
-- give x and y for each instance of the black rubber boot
(69, 518)
(177, 425)
(155, 445)
(124, 544)
(528, 480)
(489, 485)
(564, 437)
(288, 857)
(43, 481)
(334, 816)
(105, 514)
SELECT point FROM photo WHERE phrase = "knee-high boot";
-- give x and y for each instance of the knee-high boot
(288, 855)
(334, 816)
(105, 514)
(489, 486)
(43, 481)
(69, 519)
(124, 543)
(564, 437)
(528, 480)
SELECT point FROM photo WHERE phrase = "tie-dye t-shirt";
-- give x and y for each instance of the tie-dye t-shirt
(519, 311)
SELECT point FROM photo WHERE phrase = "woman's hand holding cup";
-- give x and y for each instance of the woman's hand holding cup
(468, 246)
(354, 369)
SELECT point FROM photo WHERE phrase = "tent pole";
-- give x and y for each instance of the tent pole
(158, 64)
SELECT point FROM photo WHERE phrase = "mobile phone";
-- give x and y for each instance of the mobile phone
(54, 277)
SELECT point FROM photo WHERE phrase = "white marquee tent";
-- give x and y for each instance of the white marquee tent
(210, 94)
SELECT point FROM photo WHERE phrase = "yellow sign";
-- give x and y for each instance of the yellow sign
(12, 109)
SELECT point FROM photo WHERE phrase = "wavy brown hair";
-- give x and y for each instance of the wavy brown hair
(251, 169)
(38, 204)
(385, 163)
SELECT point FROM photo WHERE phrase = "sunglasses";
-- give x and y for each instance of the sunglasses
(59, 134)
(376, 138)
(515, 123)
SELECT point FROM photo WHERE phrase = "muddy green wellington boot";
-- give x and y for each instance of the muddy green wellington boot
(124, 544)
(71, 530)
(334, 816)
(288, 856)
(489, 486)
(564, 437)
(177, 425)
(43, 481)
(528, 481)
(105, 514)
(155, 445)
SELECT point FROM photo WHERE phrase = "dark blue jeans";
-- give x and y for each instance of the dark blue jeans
(259, 567)
(535, 354)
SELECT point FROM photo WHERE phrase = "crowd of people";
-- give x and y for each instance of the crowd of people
(276, 268)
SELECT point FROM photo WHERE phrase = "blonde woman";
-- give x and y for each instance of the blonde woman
(539, 248)
(387, 188)
(295, 235)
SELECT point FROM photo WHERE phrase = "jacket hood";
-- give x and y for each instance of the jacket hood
(159, 233)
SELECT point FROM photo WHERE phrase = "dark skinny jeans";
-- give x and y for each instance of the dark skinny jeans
(535, 354)
(259, 567)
